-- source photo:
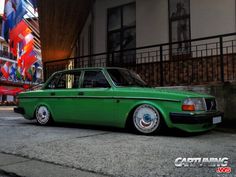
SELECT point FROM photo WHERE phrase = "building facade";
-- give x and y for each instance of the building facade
(110, 24)
(11, 81)
(168, 42)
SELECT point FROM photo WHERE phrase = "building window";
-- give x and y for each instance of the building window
(179, 20)
(5, 52)
(121, 33)
(5, 48)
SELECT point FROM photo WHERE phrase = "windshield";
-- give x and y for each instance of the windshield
(123, 77)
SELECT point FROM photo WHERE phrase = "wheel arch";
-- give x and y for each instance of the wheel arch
(44, 104)
(157, 106)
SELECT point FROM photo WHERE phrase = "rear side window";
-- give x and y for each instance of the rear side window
(66, 80)
(94, 79)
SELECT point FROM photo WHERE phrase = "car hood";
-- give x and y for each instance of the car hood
(160, 93)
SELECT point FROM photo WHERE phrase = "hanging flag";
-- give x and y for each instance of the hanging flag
(26, 44)
(12, 72)
(28, 58)
(19, 10)
(18, 73)
(19, 63)
(13, 47)
(13, 14)
(8, 19)
(18, 34)
(5, 69)
(29, 74)
(5, 30)
(9, 14)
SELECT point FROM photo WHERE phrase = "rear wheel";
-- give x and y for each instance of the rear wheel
(146, 119)
(43, 115)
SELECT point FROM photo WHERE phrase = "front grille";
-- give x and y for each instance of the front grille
(210, 104)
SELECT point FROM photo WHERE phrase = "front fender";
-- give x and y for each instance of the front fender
(125, 110)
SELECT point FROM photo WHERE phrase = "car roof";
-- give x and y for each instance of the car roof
(88, 68)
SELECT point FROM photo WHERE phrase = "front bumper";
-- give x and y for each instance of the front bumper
(194, 118)
(19, 110)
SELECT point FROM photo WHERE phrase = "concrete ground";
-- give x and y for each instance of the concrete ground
(73, 150)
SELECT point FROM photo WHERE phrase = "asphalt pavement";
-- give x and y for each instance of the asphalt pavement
(29, 150)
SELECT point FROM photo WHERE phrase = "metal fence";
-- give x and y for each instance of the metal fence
(198, 61)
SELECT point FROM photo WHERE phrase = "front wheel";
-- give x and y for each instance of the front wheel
(43, 115)
(146, 119)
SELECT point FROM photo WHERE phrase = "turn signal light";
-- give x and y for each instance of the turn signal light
(188, 107)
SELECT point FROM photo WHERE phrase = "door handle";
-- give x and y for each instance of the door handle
(52, 93)
(81, 93)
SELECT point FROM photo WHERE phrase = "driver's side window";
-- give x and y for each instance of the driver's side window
(67, 80)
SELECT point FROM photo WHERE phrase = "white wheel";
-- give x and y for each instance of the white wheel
(146, 119)
(43, 116)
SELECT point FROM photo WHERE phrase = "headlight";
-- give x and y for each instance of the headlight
(194, 104)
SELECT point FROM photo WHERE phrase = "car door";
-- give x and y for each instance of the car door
(63, 96)
(95, 99)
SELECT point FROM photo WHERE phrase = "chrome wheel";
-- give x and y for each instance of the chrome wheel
(43, 115)
(146, 119)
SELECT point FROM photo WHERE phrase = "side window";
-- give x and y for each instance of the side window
(53, 82)
(94, 79)
(67, 80)
(61, 84)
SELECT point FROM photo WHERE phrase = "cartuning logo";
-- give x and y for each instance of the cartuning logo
(201, 162)
(221, 164)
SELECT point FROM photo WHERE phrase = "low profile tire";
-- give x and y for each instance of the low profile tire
(43, 115)
(146, 119)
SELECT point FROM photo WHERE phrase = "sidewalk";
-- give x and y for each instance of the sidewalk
(6, 108)
(16, 166)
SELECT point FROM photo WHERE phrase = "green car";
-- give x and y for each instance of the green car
(117, 97)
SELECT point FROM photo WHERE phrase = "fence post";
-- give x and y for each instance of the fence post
(161, 66)
(221, 60)
(110, 58)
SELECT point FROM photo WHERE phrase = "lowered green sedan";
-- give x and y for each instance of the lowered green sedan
(117, 97)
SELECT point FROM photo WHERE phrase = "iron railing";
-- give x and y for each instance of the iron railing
(197, 61)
